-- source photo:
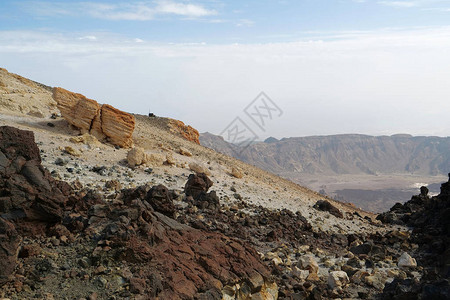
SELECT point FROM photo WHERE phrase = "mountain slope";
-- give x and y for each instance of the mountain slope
(345, 154)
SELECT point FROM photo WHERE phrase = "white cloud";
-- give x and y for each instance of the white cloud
(373, 82)
(187, 10)
(400, 3)
(412, 3)
(245, 23)
(88, 37)
(131, 11)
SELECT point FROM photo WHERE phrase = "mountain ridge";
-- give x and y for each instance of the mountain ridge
(344, 154)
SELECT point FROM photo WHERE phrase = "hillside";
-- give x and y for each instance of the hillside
(171, 219)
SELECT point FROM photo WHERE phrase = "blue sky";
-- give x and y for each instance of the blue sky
(335, 66)
(220, 21)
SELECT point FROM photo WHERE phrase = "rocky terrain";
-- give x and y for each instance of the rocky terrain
(170, 219)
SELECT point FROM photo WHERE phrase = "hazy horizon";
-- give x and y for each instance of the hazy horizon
(332, 67)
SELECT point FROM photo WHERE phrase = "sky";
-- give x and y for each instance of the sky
(327, 66)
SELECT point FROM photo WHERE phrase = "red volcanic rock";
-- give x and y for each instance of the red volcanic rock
(104, 122)
(9, 245)
(29, 197)
(28, 190)
(189, 260)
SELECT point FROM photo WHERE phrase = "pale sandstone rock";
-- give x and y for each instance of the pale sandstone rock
(185, 131)
(136, 157)
(184, 151)
(308, 262)
(72, 151)
(87, 139)
(337, 279)
(236, 172)
(117, 125)
(78, 110)
(170, 160)
(104, 122)
(198, 168)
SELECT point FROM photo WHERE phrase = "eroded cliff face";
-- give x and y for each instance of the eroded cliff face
(103, 121)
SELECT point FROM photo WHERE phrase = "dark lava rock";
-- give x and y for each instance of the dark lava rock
(196, 184)
(430, 220)
(27, 190)
(161, 201)
(363, 248)
(324, 205)
(207, 201)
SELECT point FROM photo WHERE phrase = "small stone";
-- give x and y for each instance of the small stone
(236, 172)
(184, 151)
(198, 168)
(406, 260)
(72, 151)
(60, 162)
(307, 262)
(170, 160)
(337, 279)
(93, 296)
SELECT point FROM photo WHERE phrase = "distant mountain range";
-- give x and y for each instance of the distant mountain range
(343, 154)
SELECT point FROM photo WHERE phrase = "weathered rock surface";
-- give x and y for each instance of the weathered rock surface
(324, 205)
(186, 131)
(198, 168)
(196, 184)
(104, 122)
(28, 194)
(136, 157)
(337, 279)
(28, 190)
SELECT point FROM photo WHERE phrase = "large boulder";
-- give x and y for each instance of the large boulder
(324, 205)
(30, 199)
(78, 110)
(103, 121)
(196, 184)
(159, 198)
(28, 190)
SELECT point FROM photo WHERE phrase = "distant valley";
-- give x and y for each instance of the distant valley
(373, 172)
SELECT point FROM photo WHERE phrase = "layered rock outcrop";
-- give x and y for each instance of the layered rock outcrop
(103, 121)
(186, 131)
